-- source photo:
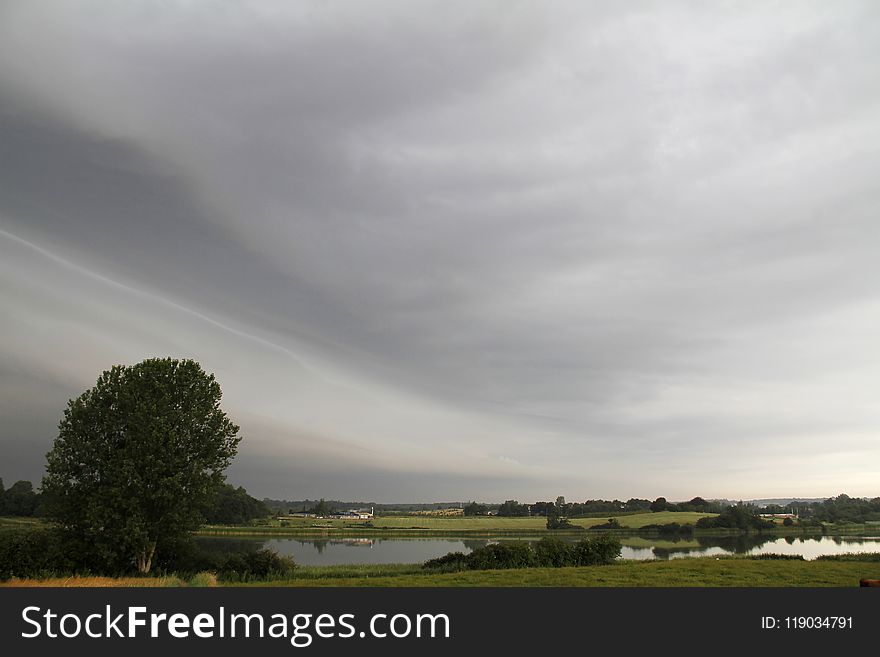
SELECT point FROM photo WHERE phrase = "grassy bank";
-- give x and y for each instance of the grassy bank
(677, 572)
(743, 572)
(78, 581)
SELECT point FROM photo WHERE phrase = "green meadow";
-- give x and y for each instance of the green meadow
(697, 572)
(674, 573)
(437, 525)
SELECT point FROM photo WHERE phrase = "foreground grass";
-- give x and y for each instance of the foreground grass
(700, 572)
(674, 573)
(78, 581)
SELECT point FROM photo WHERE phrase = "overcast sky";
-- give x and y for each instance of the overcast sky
(452, 251)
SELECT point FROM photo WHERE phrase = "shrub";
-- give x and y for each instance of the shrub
(603, 549)
(37, 553)
(32, 553)
(514, 554)
(548, 552)
(259, 565)
(551, 552)
(850, 556)
(611, 524)
(776, 556)
(203, 580)
(191, 557)
(736, 517)
(558, 522)
(454, 561)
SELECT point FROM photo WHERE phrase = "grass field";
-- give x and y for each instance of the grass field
(677, 572)
(450, 525)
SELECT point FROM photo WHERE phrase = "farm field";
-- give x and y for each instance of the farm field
(451, 525)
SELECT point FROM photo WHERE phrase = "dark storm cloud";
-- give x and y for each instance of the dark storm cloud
(569, 246)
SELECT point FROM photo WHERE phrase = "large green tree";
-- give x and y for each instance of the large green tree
(136, 459)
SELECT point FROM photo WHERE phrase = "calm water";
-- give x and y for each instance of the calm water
(329, 552)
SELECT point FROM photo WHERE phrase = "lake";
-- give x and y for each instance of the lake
(337, 551)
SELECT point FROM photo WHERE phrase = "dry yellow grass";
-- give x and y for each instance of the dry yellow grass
(75, 582)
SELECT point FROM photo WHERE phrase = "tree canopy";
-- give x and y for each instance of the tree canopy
(475, 509)
(513, 508)
(19, 500)
(556, 515)
(233, 506)
(137, 458)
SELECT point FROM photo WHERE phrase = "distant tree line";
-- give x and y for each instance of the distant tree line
(697, 504)
(840, 509)
(591, 508)
(843, 508)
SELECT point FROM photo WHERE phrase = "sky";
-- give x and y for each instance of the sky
(452, 251)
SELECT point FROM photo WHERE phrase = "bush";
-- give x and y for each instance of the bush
(260, 565)
(850, 556)
(611, 524)
(551, 552)
(559, 522)
(200, 580)
(191, 557)
(780, 557)
(454, 561)
(548, 552)
(37, 553)
(515, 554)
(600, 550)
(32, 553)
(736, 517)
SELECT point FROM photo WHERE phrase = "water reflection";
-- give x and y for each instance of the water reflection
(807, 547)
(335, 551)
(321, 544)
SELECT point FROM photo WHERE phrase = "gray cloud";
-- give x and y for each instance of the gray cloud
(512, 249)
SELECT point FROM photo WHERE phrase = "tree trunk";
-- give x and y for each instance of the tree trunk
(144, 558)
